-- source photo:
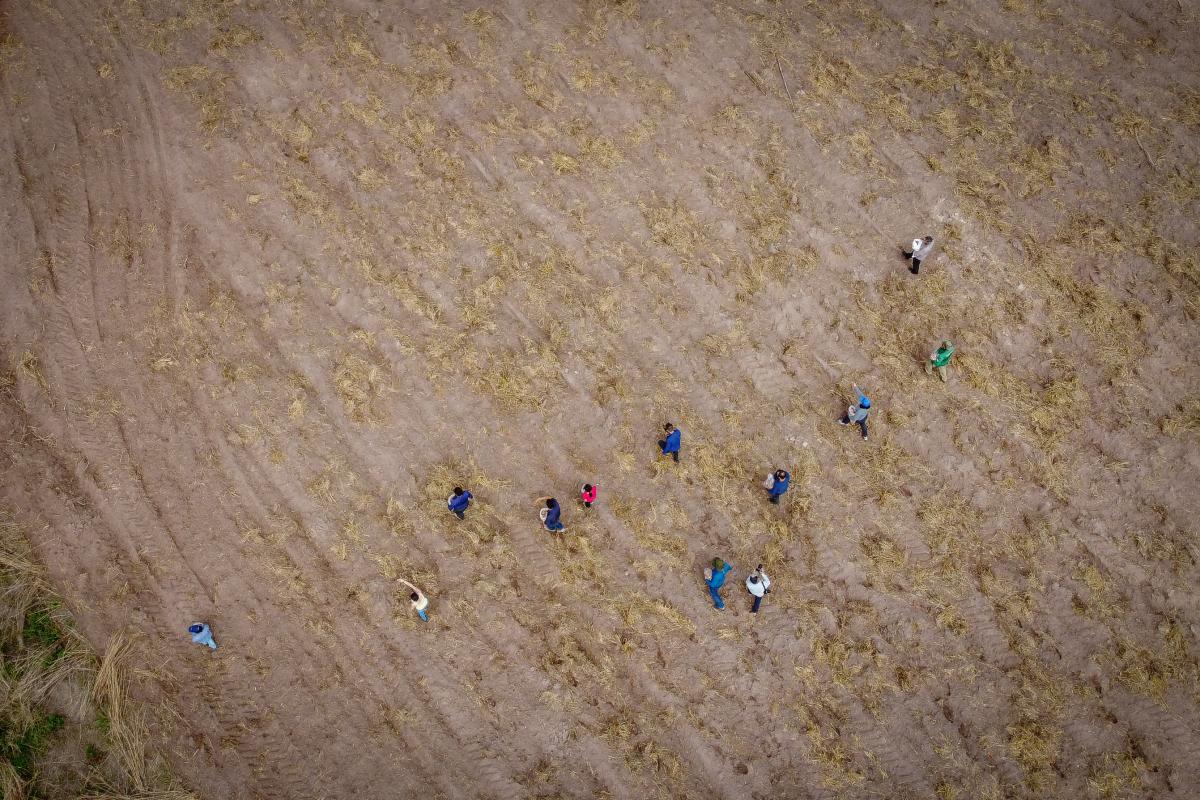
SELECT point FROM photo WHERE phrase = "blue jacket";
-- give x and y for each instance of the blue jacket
(718, 578)
(554, 512)
(781, 484)
(461, 502)
(671, 445)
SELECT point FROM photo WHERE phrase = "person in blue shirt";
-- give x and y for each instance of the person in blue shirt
(551, 515)
(777, 485)
(202, 634)
(459, 502)
(858, 413)
(715, 578)
(670, 445)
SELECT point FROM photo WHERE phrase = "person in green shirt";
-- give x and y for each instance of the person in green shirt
(939, 358)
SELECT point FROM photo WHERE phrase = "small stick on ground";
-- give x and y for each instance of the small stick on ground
(754, 80)
(779, 67)
(1145, 152)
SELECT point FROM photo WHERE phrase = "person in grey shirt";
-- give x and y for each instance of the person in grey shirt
(858, 412)
(921, 249)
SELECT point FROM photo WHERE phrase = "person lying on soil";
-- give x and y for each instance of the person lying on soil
(939, 359)
(714, 578)
(459, 502)
(202, 634)
(588, 494)
(921, 250)
(551, 515)
(419, 603)
(670, 445)
(758, 584)
(858, 413)
(777, 484)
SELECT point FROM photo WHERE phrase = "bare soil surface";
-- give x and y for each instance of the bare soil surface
(278, 275)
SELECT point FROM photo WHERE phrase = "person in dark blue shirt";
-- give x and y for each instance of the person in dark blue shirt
(670, 445)
(459, 501)
(551, 515)
(777, 484)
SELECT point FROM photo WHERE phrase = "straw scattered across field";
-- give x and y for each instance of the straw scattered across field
(278, 276)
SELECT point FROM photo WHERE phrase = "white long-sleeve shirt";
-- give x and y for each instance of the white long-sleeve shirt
(758, 588)
(921, 249)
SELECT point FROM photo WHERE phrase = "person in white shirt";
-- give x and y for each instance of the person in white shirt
(758, 584)
(921, 248)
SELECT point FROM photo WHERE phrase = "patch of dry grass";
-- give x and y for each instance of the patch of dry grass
(53, 692)
(652, 615)
(362, 385)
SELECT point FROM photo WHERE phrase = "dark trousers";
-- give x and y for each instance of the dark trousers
(461, 513)
(662, 444)
(916, 262)
(862, 424)
(757, 603)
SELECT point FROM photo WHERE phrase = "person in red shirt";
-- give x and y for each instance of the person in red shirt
(588, 494)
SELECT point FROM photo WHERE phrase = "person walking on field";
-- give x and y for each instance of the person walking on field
(939, 359)
(670, 445)
(588, 494)
(551, 515)
(459, 502)
(419, 603)
(714, 579)
(858, 413)
(777, 484)
(921, 249)
(202, 634)
(758, 584)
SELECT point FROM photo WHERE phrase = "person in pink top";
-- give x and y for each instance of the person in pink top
(588, 494)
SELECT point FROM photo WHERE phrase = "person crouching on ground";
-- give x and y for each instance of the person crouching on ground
(777, 484)
(459, 502)
(758, 584)
(202, 634)
(588, 494)
(670, 445)
(714, 579)
(551, 515)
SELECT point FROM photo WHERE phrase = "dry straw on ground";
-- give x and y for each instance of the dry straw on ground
(58, 701)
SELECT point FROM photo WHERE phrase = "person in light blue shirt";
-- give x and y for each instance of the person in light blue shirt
(459, 502)
(670, 445)
(715, 578)
(858, 413)
(202, 634)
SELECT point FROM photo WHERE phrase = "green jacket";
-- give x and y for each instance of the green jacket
(942, 357)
